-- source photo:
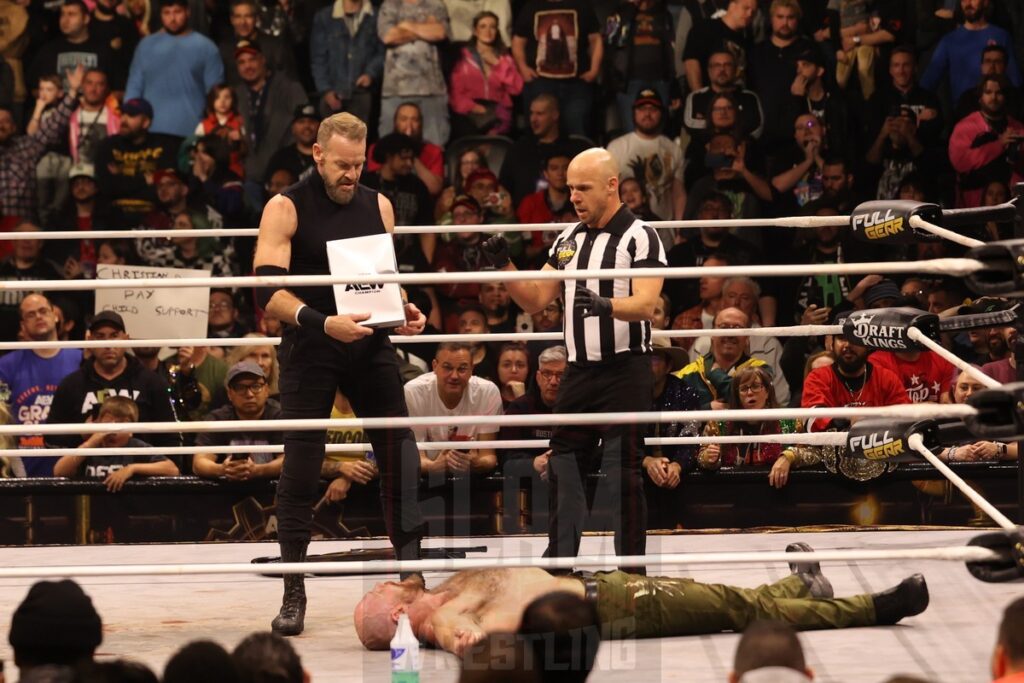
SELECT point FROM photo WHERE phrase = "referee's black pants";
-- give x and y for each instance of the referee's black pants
(367, 372)
(624, 384)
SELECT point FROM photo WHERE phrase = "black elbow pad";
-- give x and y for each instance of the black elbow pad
(264, 294)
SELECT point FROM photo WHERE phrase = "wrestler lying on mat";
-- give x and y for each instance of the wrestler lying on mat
(476, 602)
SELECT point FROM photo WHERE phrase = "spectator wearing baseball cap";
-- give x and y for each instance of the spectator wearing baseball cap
(84, 210)
(647, 153)
(459, 254)
(244, 17)
(110, 371)
(126, 162)
(640, 55)
(174, 69)
(248, 399)
(267, 100)
(496, 202)
(297, 158)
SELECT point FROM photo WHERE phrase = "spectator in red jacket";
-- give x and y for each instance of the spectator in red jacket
(986, 145)
(550, 205)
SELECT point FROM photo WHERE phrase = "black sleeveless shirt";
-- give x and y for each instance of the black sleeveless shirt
(320, 220)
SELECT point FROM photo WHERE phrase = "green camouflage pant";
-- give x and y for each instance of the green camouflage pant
(632, 606)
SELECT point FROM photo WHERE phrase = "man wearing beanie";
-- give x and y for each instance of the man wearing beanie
(54, 628)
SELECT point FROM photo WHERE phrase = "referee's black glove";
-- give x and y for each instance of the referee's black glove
(590, 303)
(495, 250)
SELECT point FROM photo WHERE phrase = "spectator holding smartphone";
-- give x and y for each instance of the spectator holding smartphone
(986, 145)
(249, 399)
(115, 470)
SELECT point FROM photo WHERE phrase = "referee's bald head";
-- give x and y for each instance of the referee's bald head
(594, 186)
(596, 160)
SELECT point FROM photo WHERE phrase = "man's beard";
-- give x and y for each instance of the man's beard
(499, 311)
(178, 32)
(997, 346)
(339, 195)
(992, 112)
(851, 368)
(650, 130)
(785, 34)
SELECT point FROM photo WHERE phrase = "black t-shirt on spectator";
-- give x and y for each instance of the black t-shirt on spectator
(119, 35)
(552, 23)
(771, 73)
(252, 437)
(889, 100)
(100, 467)
(58, 56)
(521, 169)
(409, 197)
(10, 316)
(713, 35)
(685, 292)
(291, 159)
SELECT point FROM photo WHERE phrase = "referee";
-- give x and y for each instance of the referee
(608, 336)
(325, 349)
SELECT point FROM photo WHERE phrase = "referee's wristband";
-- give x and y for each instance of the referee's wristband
(311, 318)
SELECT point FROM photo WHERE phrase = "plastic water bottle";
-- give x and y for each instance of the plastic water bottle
(405, 653)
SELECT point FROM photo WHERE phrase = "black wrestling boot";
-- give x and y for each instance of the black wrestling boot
(907, 599)
(810, 572)
(291, 619)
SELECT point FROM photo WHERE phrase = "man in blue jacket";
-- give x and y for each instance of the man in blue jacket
(347, 57)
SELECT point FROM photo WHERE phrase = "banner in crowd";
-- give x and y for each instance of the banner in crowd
(164, 312)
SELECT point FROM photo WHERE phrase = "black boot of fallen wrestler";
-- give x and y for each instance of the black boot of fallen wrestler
(810, 572)
(291, 619)
(906, 599)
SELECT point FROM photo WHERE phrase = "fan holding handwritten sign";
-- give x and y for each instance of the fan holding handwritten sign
(157, 313)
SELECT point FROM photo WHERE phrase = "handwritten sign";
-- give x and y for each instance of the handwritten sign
(168, 313)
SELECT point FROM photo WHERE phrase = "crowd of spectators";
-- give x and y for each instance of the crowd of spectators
(184, 114)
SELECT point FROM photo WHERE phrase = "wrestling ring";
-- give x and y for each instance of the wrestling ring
(154, 598)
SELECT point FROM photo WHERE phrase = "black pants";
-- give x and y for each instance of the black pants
(622, 385)
(366, 371)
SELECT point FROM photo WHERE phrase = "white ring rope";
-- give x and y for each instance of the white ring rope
(816, 439)
(917, 335)
(963, 240)
(921, 411)
(139, 343)
(916, 441)
(784, 222)
(811, 439)
(942, 266)
(946, 554)
(792, 331)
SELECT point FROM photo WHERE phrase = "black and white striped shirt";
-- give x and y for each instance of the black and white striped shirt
(624, 243)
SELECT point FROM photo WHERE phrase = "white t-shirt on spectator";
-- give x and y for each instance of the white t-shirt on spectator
(654, 163)
(481, 398)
